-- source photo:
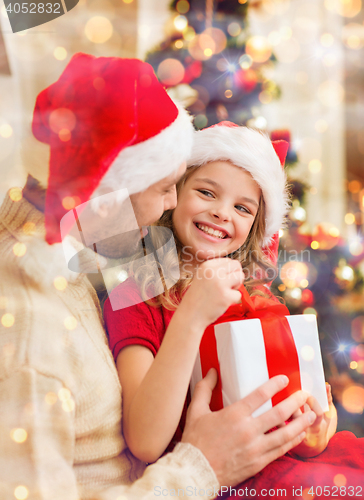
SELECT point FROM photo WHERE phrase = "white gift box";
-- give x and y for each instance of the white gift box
(242, 359)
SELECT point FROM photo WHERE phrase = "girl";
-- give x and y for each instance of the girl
(231, 202)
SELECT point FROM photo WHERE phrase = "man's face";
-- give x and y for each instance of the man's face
(150, 204)
(146, 208)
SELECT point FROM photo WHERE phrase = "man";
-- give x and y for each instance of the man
(109, 126)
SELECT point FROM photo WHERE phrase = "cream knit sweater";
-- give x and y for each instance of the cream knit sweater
(60, 397)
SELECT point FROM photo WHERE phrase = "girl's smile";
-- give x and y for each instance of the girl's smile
(216, 209)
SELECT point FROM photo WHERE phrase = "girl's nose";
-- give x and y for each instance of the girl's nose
(221, 212)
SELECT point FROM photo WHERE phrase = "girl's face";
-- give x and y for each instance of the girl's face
(216, 209)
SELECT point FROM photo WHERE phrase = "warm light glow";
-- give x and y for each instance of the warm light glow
(258, 48)
(7, 320)
(60, 283)
(61, 120)
(171, 72)
(19, 435)
(356, 248)
(189, 34)
(265, 97)
(182, 6)
(6, 131)
(282, 287)
(327, 40)
(353, 399)
(310, 310)
(70, 323)
(60, 53)
(292, 273)
(178, 44)
(122, 276)
(339, 480)
(64, 135)
(208, 52)
(29, 227)
(15, 194)
(354, 186)
(70, 202)
(99, 29)
(21, 493)
(333, 231)
(353, 365)
(315, 245)
(298, 213)
(98, 83)
(68, 405)
(280, 233)
(234, 29)
(315, 166)
(307, 353)
(274, 38)
(245, 61)
(51, 398)
(228, 93)
(19, 249)
(180, 22)
(304, 283)
(64, 394)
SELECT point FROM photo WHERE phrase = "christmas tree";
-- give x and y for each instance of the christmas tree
(213, 64)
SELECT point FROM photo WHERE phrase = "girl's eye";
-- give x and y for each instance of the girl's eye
(241, 208)
(206, 193)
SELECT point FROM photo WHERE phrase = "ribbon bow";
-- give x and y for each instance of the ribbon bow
(280, 349)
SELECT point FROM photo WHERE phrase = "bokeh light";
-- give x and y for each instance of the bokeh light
(60, 53)
(258, 48)
(70, 323)
(21, 492)
(171, 72)
(7, 320)
(19, 435)
(353, 35)
(15, 194)
(6, 130)
(326, 235)
(346, 8)
(99, 29)
(234, 29)
(182, 6)
(353, 398)
(60, 283)
(62, 119)
(339, 480)
(19, 249)
(314, 166)
(327, 40)
(180, 22)
(357, 329)
(292, 273)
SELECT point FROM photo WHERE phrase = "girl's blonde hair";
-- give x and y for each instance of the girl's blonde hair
(253, 260)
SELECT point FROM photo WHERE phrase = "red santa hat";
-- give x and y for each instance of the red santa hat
(110, 125)
(253, 151)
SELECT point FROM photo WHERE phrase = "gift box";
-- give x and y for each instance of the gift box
(254, 341)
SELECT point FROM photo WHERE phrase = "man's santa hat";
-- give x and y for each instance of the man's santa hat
(110, 125)
(254, 152)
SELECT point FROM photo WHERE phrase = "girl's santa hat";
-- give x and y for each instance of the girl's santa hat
(253, 151)
(110, 125)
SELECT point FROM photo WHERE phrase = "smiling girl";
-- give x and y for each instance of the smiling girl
(231, 202)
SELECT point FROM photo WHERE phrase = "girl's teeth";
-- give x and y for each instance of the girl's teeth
(212, 232)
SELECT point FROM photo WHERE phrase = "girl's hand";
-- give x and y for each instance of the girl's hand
(321, 431)
(214, 288)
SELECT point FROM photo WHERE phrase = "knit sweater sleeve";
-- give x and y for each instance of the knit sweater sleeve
(37, 437)
(184, 472)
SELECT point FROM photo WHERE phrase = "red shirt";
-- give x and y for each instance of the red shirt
(138, 324)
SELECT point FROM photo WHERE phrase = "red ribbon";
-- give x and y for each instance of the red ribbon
(280, 349)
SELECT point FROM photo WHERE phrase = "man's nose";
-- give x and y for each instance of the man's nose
(170, 201)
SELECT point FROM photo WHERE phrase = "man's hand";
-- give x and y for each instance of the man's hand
(235, 443)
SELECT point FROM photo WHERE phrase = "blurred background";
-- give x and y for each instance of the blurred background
(293, 68)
